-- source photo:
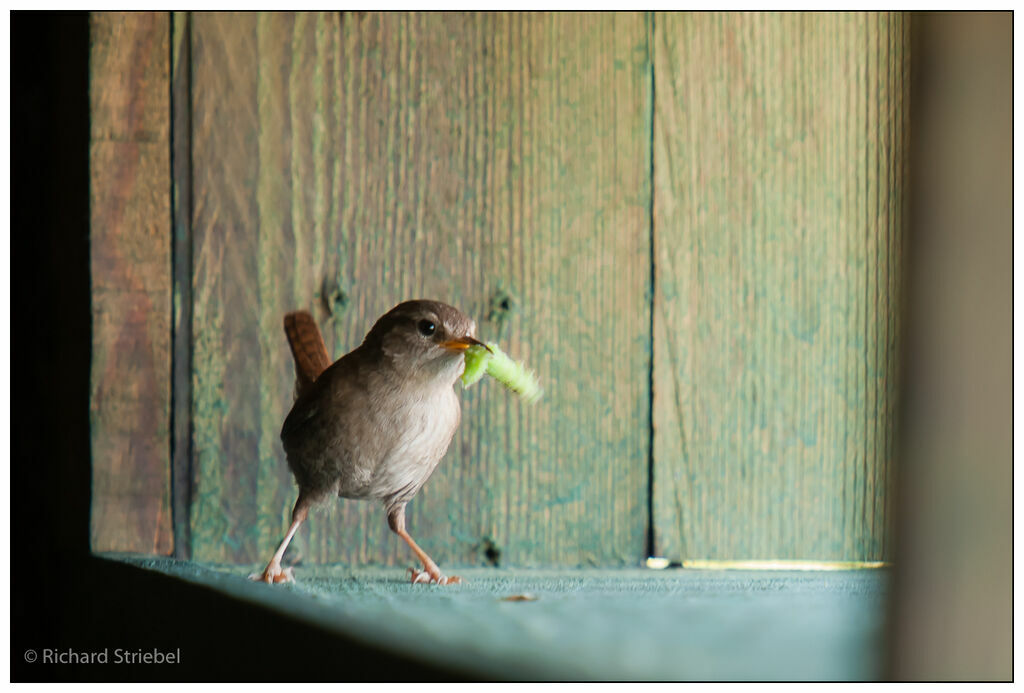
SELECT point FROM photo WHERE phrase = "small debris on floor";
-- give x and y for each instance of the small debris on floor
(524, 597)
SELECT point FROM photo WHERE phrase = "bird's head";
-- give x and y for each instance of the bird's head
(424, 338)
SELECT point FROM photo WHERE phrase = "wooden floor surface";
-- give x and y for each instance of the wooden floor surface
(622, 624)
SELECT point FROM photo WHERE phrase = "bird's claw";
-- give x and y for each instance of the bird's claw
(274, 573)
(424, 577)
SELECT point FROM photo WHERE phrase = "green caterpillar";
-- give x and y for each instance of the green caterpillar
(513, 375)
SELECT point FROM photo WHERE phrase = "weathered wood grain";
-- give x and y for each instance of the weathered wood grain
(499, 162)
(778, 198)
(131, 283)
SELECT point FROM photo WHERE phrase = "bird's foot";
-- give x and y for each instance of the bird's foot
(274, 573)
(428, 578)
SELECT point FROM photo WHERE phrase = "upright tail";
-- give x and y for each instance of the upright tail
(308, 348)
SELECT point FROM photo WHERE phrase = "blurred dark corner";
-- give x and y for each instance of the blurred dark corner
(952, 617)
(952, 613)
(50, 321)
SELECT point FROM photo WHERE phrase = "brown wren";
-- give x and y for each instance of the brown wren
(375, 423)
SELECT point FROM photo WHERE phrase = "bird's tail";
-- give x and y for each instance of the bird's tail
(308, 348)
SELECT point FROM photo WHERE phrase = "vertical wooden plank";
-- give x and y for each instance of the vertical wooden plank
(494, 161)
(131, 282)
(226, 307)
(778, 208)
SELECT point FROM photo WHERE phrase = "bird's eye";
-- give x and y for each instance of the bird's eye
(426, 328)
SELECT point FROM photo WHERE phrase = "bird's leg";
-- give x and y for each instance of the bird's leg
(273, 572)
(431, 573)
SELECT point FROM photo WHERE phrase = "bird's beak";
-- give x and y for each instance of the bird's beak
(463, 343)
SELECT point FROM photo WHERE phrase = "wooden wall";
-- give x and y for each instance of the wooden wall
(706, 204)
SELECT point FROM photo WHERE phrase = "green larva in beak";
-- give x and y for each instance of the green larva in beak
(512, 374)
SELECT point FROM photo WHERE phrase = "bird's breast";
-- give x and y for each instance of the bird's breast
(418, 434)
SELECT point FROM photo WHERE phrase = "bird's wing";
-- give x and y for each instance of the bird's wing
(308, 348)
(319, 399)
(302, 413)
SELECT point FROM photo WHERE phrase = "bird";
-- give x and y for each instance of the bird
(374, 424)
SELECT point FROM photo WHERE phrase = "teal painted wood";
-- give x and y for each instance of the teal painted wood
(342, 163)
(779, 142)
